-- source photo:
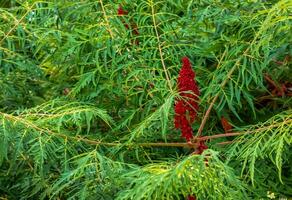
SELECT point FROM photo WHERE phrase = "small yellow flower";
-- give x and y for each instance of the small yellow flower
(271, 195)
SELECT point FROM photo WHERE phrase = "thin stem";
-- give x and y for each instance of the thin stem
(268, 79)
(171, 144)
(220, 136)
(158, 144)
(237, 133)
(225, 143)
(106, 19)
(16, 24)
(206, 116)
(159, 47)
(200, 130)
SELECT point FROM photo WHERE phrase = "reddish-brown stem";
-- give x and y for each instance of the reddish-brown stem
(219, 136)
(207, 115)
(158, 144)
(268, 79)
(172, 144)
(286, 60)
(225, 143)
(278, 62)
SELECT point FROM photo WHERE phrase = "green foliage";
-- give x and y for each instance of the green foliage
(273, 138)
(85, 102)
(176, 180)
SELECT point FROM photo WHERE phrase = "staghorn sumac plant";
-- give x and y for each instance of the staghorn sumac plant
(186, 106)
(86, 113)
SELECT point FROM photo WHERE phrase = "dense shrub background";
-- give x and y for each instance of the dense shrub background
(84, 108)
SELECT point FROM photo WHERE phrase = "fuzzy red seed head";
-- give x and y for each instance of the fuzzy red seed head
(121, 11)
(191, 197)
(226, 125)
(186, 107)
(186, 62)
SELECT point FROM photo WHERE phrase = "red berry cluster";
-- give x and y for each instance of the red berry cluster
(191, 197)
(187, 106)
